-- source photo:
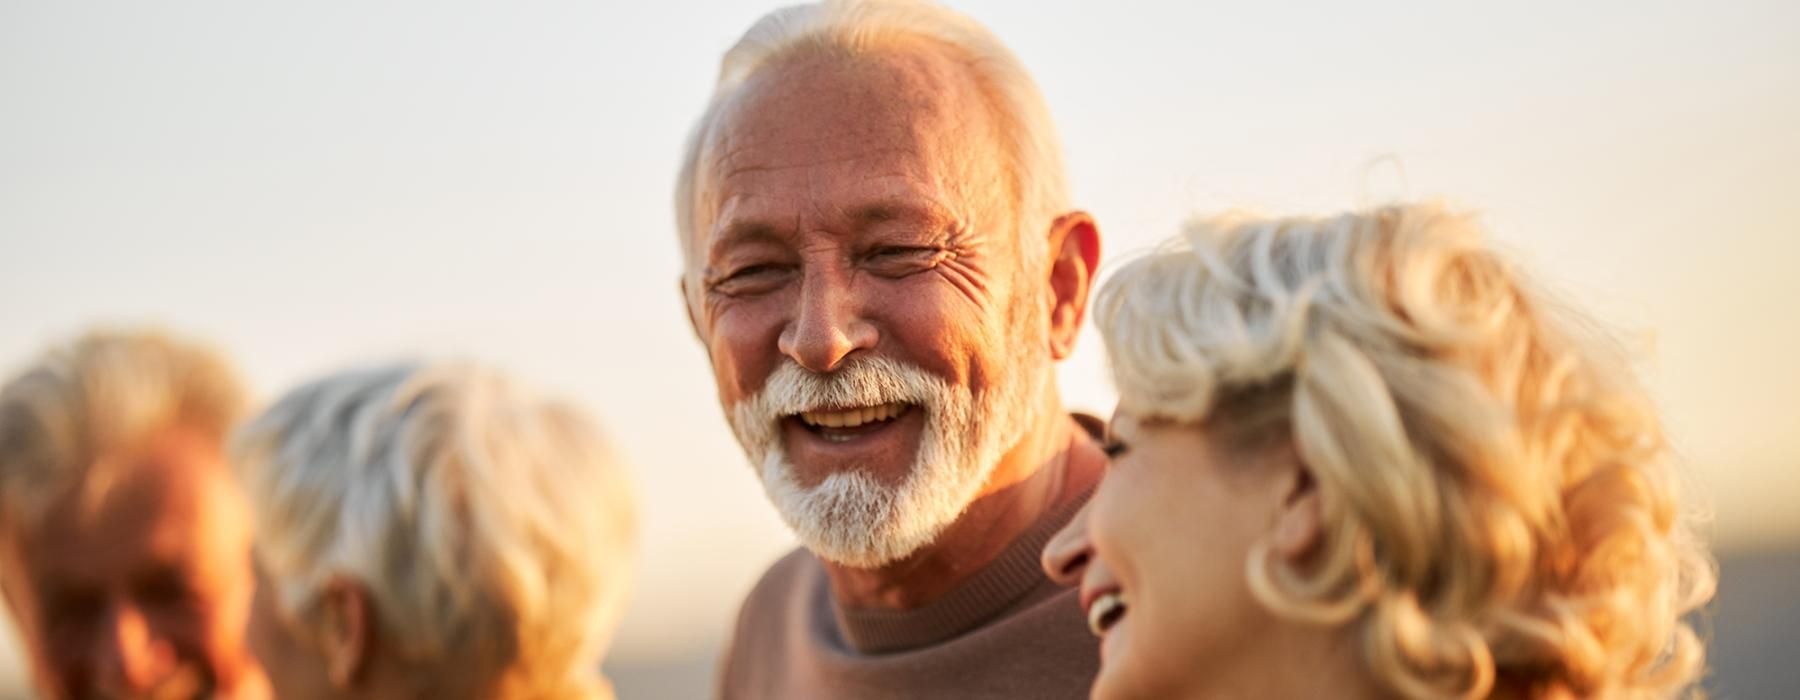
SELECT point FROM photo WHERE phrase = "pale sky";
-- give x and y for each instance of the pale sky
(311, 186)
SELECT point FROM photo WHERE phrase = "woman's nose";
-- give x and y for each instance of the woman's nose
(1066, 556)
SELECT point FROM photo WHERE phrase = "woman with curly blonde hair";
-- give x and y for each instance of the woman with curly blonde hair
(1363, 456)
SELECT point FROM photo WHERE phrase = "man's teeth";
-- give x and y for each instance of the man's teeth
(1105, 612)
(852, 418)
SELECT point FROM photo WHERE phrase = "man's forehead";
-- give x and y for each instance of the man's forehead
(862, 132)
(908, 78)
(105, 557)
(175, 484)
(805, 110)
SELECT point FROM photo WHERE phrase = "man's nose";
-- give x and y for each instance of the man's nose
(1067, 555)
(828, 326)
(130, 657)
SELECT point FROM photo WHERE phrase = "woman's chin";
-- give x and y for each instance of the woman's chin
(1117, 679)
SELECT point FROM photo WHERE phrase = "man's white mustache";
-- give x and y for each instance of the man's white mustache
(864, 382)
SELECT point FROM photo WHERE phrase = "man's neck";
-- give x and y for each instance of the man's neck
(1054, 463)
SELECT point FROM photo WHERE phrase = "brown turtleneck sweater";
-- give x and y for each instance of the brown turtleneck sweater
(1006, 632)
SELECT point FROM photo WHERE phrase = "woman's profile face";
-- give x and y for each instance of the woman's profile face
(1167, 535)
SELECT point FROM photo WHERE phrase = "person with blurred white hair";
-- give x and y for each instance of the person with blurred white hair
(1365, 456)
(881, 259)
(124, 541)
(433, 531)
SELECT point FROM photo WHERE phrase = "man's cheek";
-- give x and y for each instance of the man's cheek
(743, 358)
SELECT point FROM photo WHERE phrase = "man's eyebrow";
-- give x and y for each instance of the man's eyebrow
(908, 209)
(746, 231)
(922, 210)
(881, 212)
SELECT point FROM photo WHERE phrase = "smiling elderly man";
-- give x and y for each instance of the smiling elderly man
(883, 266)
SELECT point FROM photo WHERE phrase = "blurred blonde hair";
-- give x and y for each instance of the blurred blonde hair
(67, 417)
(1500, 511)
(491, 527)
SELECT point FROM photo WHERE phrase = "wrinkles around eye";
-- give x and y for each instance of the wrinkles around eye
(968, 280)
(899, 261)
(749, 280)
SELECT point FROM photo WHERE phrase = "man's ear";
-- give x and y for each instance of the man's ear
(348, 636)
(6, 594)
(14, 586)
(1074, 258)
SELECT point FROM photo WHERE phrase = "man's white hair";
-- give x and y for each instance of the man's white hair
(489, 526)
(66, 417)
(1032, 153)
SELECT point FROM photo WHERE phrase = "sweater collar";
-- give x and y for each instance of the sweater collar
(1000, 585)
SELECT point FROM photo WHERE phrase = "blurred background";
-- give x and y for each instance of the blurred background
(310, 185)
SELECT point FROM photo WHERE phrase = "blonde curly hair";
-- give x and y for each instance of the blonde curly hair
(1501, 512)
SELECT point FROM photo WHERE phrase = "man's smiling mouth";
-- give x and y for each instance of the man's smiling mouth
(843, 425)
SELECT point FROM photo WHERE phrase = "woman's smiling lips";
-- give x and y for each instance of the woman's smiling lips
(1104, 606)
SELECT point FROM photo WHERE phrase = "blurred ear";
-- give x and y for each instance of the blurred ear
(1298, 518)
(348, 634)
(12, 568)
(1074, 258)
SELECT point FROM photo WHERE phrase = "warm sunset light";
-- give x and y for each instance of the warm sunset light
(313, 186)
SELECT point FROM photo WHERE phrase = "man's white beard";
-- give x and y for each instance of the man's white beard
(851, 517)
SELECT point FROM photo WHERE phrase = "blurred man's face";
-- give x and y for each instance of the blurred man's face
(142, 590)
